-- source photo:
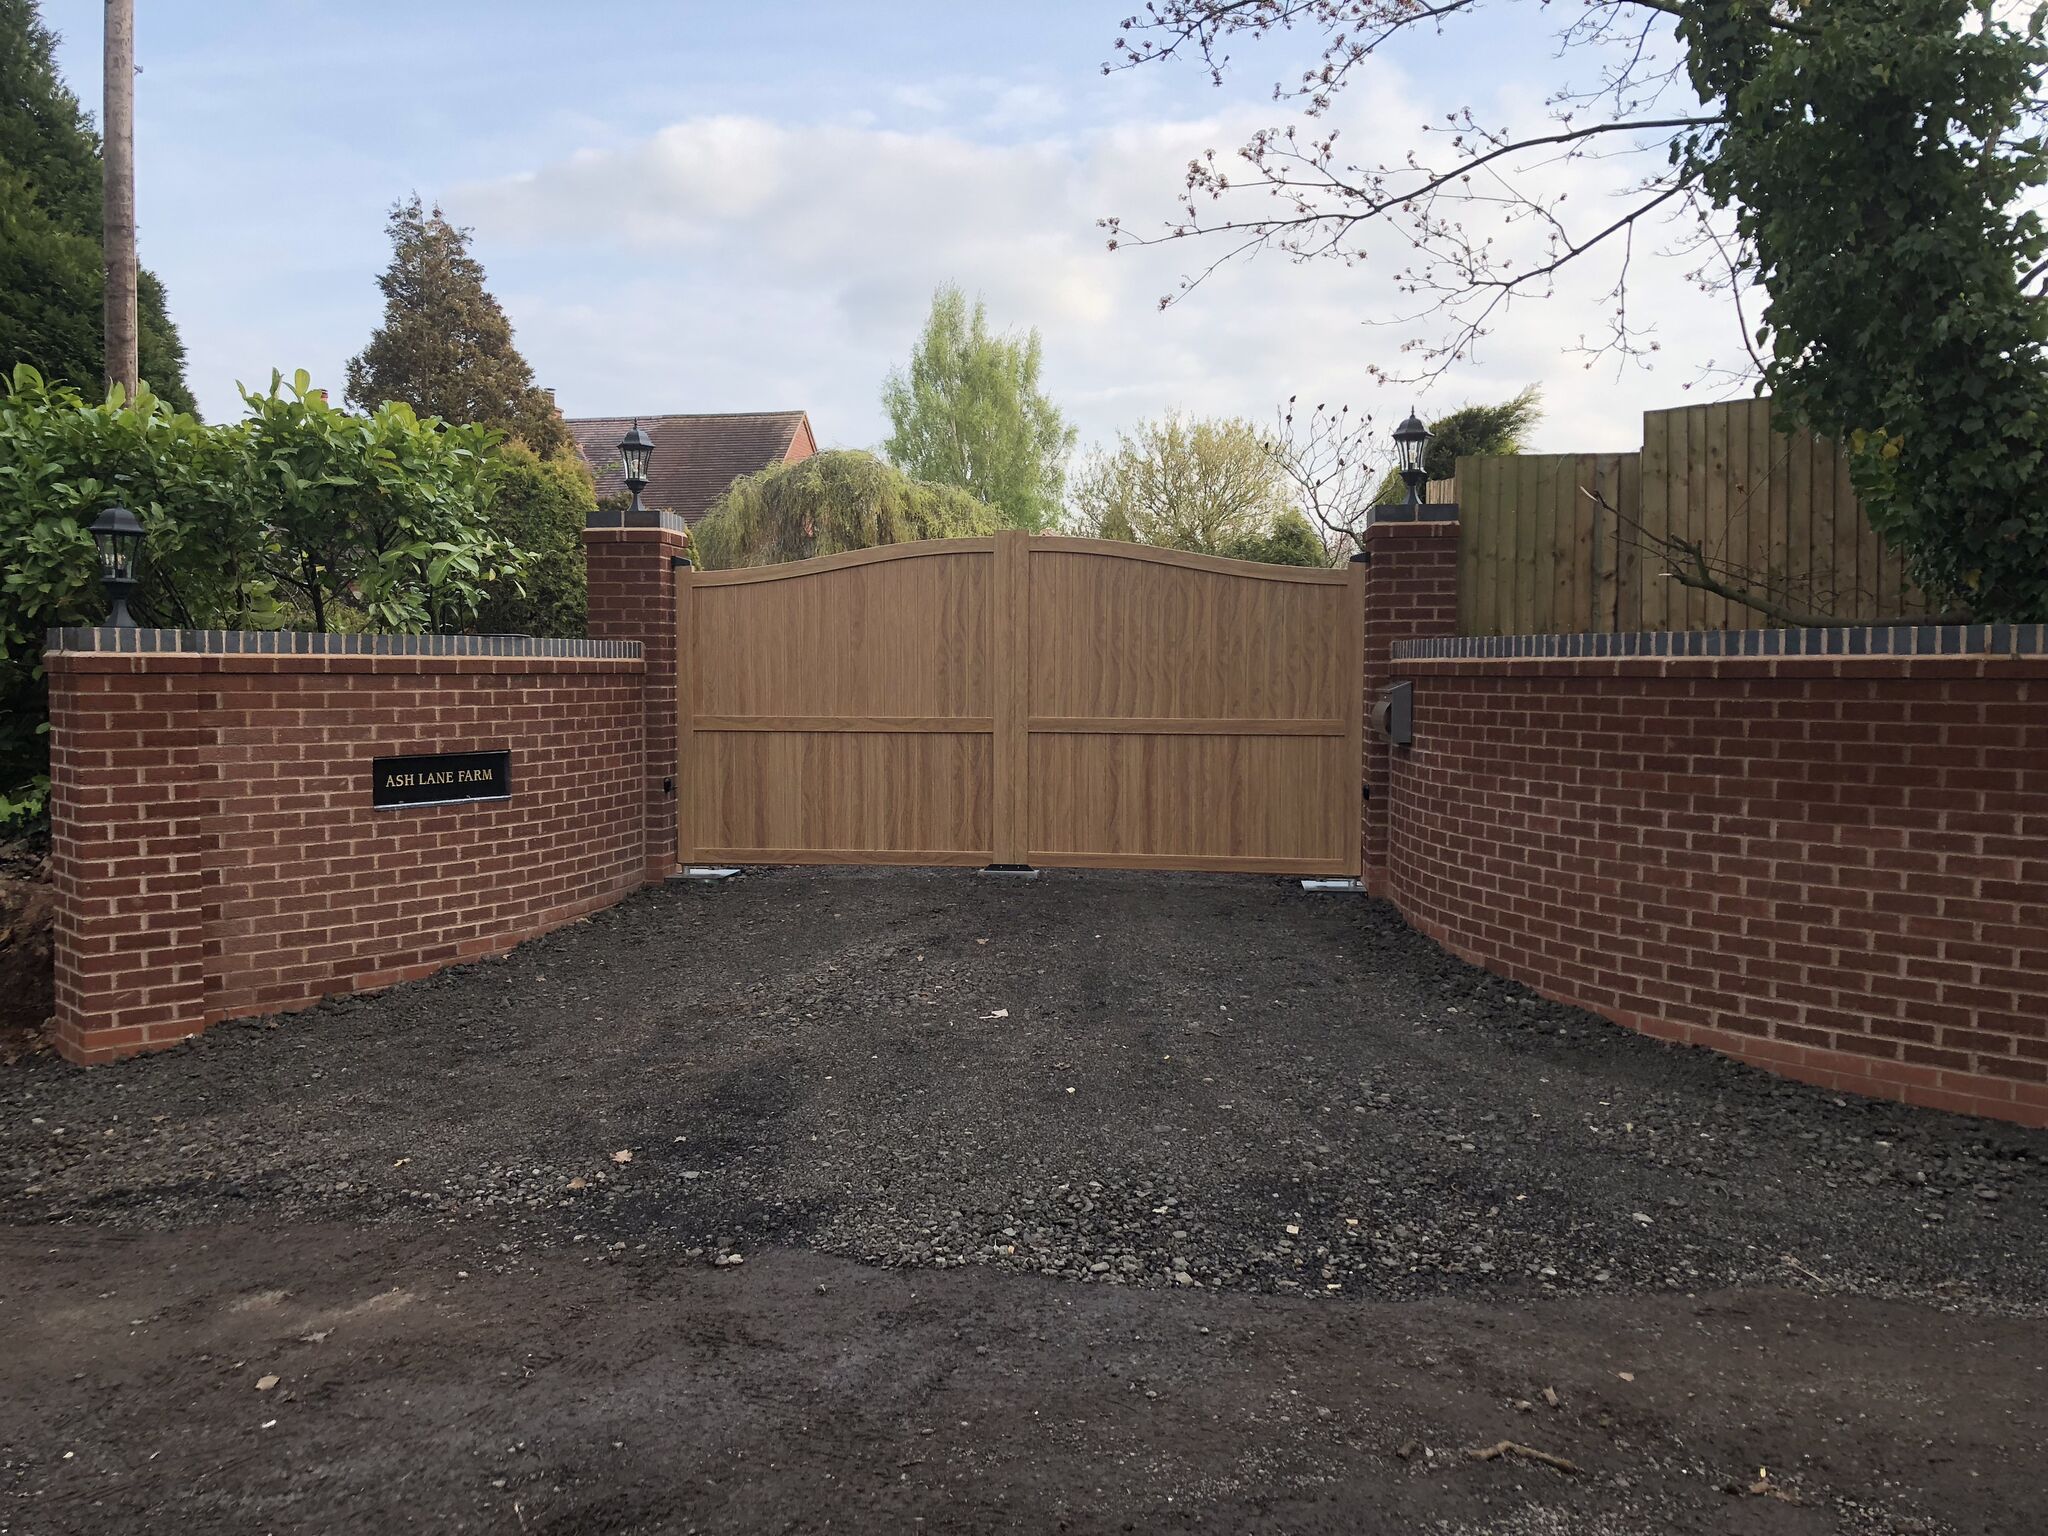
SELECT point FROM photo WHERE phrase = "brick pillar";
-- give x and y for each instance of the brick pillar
(631, 560)
(131, 791)
(1411, 593)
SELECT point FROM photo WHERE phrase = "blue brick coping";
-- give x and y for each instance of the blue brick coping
(291, 642)
(1855, 640)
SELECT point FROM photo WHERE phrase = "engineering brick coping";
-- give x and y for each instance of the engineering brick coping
(279, 642)
(1854, 640)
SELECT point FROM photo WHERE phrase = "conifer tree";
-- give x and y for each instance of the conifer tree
(50, 273)
(445, 347)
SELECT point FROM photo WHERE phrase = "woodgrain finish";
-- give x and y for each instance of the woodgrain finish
(1023, 700)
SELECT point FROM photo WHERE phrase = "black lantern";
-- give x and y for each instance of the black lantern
(1411, 438)
(635, 449)
(118, 533)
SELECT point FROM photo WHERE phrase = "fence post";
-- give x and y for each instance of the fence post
(631, 558)
(1411, 592)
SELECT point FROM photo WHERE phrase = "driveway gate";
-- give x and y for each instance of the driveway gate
(1022, 700)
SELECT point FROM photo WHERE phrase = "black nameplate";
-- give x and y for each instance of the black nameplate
(396, 781)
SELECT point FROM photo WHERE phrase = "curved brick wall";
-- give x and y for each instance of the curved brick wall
(1836, 868)
(215, 849)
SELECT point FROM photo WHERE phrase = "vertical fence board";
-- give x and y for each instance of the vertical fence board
(1653, 595)
(1799, 500)
(1776, 511)
(1628, 584)
(1758, 448)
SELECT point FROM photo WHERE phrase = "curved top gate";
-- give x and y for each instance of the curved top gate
(1022, 700)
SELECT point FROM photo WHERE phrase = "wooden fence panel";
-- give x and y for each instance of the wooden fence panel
(1537, 554)
(1773, 513)
(1023, 700)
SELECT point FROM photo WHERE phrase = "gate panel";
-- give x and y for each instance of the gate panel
(1035, 700)
(839, 710)
(1192, 713)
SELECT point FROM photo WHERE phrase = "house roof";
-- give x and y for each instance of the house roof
(695, 457)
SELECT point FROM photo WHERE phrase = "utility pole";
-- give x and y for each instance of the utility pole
(117, 127)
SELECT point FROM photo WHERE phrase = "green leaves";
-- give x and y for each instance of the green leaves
(300, 514)
(1879, 156)
(969, 413)
(829, 502)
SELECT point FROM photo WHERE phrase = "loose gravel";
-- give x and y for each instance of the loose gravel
(1150, 1081)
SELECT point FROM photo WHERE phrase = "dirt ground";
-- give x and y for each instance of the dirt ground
(28, 915)
(961, 1203)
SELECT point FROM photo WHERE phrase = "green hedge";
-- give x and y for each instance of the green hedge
(540, 509)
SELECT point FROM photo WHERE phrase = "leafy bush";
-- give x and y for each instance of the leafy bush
(300, 513)
(1291, 540)
(540, 508)
(371, 522)
(827, 503)
(63, 461)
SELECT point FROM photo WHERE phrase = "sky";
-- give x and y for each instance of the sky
(721, 207)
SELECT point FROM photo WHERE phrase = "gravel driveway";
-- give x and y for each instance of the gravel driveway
(1275, 1105)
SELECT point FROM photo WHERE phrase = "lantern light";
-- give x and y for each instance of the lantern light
(636, 448)
(1411, 438)
(118, 533)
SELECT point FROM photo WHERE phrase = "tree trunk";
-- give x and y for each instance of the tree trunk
(117, 126)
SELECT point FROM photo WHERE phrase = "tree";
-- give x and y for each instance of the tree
(540, 508)
(376, 521)
(970, 413)
(1292, 540)
(1470, 431)
(1866, 166)
(1201, 485)
(445, 347)
(52, 284)
(829, 502)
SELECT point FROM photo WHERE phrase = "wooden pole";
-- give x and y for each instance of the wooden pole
(118, 206)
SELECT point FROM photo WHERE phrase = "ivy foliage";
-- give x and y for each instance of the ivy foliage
(829, 502)
(1881, 157)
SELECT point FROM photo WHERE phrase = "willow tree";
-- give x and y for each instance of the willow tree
(828, 503)
(1859, 177)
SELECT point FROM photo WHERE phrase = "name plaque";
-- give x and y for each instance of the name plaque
(449, 776)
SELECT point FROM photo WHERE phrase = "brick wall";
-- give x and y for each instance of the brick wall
(214, 848)
(633, 599)
(1833, 866)
(1411, 592)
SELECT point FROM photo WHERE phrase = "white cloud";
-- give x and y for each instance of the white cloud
(770, 264)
